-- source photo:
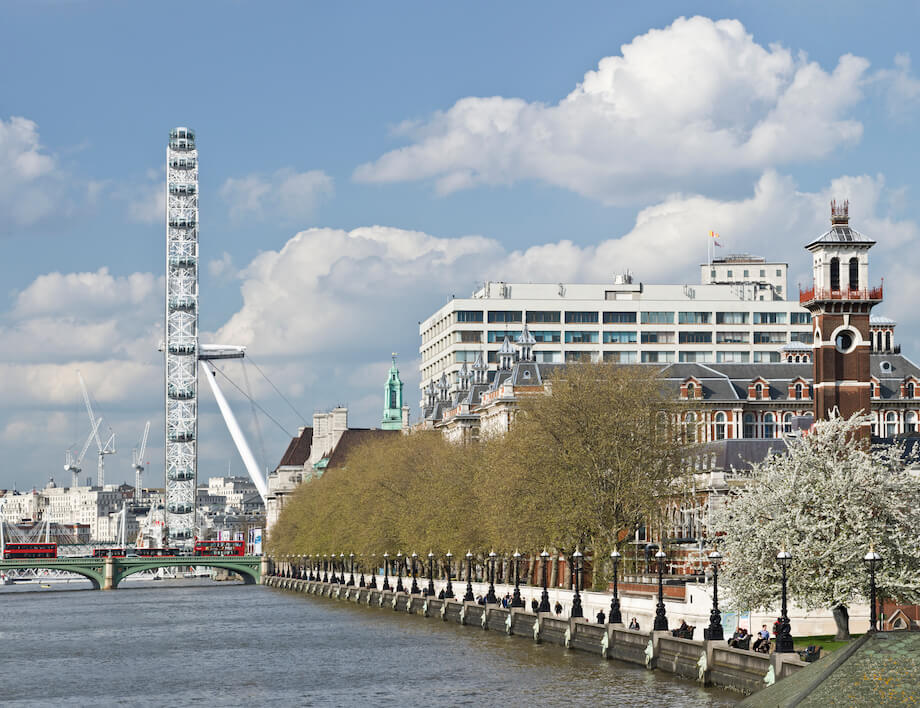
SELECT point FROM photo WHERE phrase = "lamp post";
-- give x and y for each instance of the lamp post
(414, 589)
(615, 615)
(449, 590)
(544, 598)
(386, 571)
(516, 600)
(373, 582)
(399, 564)
(333, 559)
(468, 597)
(661, 619)
(351, 574)
(576, 601)
(872, 560)
(490, 596)
(342, 568)
(783, 636)
(714, 630)
(430, 590)
(325, 567)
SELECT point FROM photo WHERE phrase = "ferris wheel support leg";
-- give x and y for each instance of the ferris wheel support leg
(235, 432)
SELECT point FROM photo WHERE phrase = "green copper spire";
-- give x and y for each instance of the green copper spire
(393, 400)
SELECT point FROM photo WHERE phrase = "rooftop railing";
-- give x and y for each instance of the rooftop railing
(842, 294)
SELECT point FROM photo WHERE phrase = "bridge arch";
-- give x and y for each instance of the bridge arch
(94, 574)
(246, 570)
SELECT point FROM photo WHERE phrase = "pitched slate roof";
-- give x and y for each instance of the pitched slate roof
(298, 450)
(352, 438)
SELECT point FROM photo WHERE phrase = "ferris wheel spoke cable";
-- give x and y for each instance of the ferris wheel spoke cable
(283, 398)
(251, 400)
(255, 418)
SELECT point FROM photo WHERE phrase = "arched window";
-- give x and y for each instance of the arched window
(690, 427)
(758, 391)
(787, 422)
(720, 433)
(769, 426)
(910, 389)
(835, 273)
(891, 424)
(798, 391)
(872, 393)
(854, 273)
(910, 422)
(750, 426)
(690, 390)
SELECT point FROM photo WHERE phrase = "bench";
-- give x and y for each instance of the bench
(683, 634)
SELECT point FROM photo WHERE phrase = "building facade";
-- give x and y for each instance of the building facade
(625, 322)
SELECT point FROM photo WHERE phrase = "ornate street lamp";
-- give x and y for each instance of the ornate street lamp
(449, 590)
(576, 601)
(469, 597)
(615, 616)
(386, 570)
(430, 590)
(351, 575)
(872, 560)
(661, 619)
(490, 596)
(361, 582)
(399, 565)
(333, 560)
(516, 600)
(373, 583)
(325, 567)
(783, 636)
(544, 599)
(414, 590)
(342, 568)
(714, 630)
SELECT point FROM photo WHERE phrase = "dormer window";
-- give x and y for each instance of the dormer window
(758, 391)
(910, 389)
(798, 391)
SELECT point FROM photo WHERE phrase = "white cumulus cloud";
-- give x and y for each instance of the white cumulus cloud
(30, 180)
(285, 195)
(697, 98)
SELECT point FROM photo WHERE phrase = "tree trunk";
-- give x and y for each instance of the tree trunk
(842, 618)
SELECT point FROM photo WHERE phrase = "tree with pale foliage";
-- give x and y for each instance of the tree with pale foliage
(826, 500)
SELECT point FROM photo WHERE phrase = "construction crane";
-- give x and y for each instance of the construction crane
(75, 465)
(138, 461)
(103, 449)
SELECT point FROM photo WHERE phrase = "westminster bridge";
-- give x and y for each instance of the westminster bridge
(107, 573)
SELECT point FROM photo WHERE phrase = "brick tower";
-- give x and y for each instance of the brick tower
(840, 302)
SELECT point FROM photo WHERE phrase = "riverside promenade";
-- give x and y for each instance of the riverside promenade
(711, 663)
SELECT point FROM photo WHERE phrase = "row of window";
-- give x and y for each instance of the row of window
(633, 337)
(773, 425)
(746, 273)
(632, 357)
(657, 317)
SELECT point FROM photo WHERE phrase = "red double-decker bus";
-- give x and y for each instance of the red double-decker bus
(154, 552)
(108, 552)
(220, 548)
(17, 551)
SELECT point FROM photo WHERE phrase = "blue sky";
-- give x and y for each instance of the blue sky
(429, 146)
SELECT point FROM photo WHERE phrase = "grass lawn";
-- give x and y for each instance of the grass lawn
(825, 641)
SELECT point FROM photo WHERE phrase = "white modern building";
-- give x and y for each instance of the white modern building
(738, 315)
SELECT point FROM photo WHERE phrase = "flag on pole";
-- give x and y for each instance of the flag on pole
(715, 238)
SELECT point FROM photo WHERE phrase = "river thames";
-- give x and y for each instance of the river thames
(181, 642)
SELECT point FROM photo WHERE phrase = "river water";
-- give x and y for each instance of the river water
(181, 642)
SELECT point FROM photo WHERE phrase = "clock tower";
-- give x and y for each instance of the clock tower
(840, 302)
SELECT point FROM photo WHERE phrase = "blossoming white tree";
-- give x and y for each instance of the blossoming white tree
(826, 500)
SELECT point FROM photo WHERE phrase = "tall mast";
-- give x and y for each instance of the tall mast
(181, 341)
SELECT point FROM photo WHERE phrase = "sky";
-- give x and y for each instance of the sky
(362, 162)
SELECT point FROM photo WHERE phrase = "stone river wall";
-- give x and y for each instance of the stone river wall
(709, 662)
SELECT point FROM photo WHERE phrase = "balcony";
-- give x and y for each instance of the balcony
(812, 294)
